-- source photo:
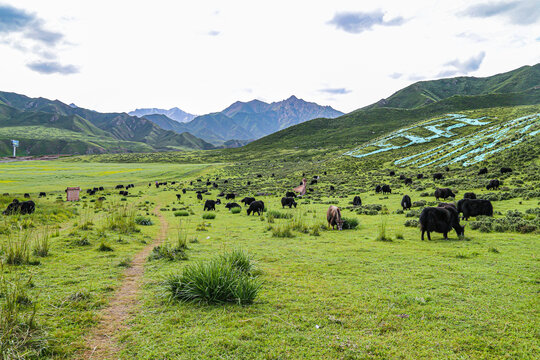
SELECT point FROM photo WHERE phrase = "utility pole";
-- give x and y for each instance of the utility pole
(15, 144)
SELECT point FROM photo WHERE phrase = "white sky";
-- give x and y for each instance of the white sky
(201, 56)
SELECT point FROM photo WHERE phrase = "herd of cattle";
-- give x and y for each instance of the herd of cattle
(441, 219)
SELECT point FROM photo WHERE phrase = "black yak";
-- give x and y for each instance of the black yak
(474, 207)
(441, 220)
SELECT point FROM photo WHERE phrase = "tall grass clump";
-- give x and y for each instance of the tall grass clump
(282, 231)
(20, 337)
(16, 249)
(121, 219)
(209, 216)
(181, 213)
(383, 236)
(172, 250)
(41, 244)
(278, 214)
(227, 278)
(236, 210)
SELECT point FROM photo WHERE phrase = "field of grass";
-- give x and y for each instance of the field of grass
(325, 294)
(36, 176)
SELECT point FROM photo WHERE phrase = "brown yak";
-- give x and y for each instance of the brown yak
(333, 215)
(302, 188)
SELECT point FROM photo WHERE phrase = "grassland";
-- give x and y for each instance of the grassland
(326, 294)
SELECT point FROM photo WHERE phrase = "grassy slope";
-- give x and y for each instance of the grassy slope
(420, 93)
(362, 125)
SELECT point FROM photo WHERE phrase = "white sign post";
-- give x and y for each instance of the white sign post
(15, 144)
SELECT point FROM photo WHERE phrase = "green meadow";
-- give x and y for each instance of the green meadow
(373, 292)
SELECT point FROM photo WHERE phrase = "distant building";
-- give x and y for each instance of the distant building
(72, 193)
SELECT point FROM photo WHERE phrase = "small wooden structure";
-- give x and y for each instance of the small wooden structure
(72, 193)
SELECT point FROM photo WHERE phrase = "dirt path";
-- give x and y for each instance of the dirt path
(102, 342)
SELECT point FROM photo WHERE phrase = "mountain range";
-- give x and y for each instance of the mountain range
(245, 121)
(174, 113)
(50, 127)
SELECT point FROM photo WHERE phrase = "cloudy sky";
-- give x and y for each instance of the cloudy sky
(203, 55)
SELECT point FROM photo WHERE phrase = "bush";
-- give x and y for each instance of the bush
(282, 231)
(181, 213)
(104, 247)
(236, 210)
(411, 223)
(220, 280)
(141, 220)
(278, 214)
(209, 216)
(349, 223)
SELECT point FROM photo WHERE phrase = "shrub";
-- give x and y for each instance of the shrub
(17, 249)
(411, 223)
(209, 216)
(382, 236)
(236, 210)
(144, 221)
(181, 213)
(217, 281)
(41, 245)
(121, 219)
(282, 231)
(350, 223)
(278, 214)
(104, 247)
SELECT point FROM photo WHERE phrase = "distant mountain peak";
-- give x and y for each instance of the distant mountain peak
(173, 113)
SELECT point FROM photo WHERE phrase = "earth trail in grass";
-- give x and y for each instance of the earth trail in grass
(103, 342)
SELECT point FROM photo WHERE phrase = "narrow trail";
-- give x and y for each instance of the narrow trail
(102, 343)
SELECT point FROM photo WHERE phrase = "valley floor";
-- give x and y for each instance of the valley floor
(326, 294)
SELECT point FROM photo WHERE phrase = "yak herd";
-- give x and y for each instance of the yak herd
(441, 219)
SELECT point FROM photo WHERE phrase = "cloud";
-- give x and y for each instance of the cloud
(213, 33)
(336, 91)
(469, 65)
(396, 75)
(52, 67)
(26, 32)
(471, 36)
(519, 12)
(358, 22)
(415, 77)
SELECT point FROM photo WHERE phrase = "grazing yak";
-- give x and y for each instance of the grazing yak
(247, 201)
(313, 182)
(469, 195)
(125, 193)
(221, 194)
(392, 173)
(441, 220)
(402, 177)
(23, 208)
(482, 171)
(419, 176)
(42, 194)
(333, 216)
(505, 170)
(290, 194)
(474, 207)
(357, 201)
(210, 205)
(332, 188)
(378, 189)
(178, 196)
(101, 198)
(199, 196)
(493, 185)
(438, 176)
(408, 181)
(288, 201)
(444, 193)
(231, 205)
(27, 196)
(406, 202)
(256, 207)
(184, 191)
(447, 169)
(230, 196)
(386, 189)
(445, 205)
(119, 187)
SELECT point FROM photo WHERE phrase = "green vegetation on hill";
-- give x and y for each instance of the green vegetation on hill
(361, 125)
(426, 92)
(81, 131)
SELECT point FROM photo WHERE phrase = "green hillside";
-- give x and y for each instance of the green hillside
(81, 131)
(360, 126)
(426, 92)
